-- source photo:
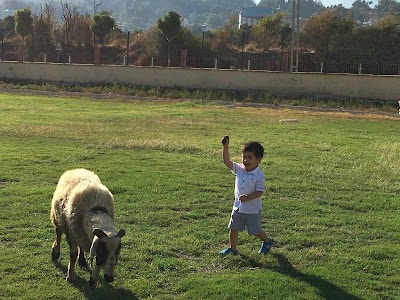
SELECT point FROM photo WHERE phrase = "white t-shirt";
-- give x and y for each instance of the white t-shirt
(247, 183)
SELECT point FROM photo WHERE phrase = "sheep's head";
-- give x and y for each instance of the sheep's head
(106, 250)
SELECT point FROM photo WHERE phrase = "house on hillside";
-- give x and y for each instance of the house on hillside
(250, 15)
(5, 13)
(184, 22)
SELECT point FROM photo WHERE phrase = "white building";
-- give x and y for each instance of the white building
(250, 15)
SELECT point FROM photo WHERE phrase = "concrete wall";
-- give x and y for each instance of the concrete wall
(381, 88)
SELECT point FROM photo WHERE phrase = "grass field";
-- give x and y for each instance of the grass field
(331, 201)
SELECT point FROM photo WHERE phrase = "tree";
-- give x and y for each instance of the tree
(227, 36)
(323, 31)
(361, 5)
(360, 10)
(388, 6)
(389, 22)
(23, 24)
(44, 24)
(102, 24)
(267, 31)
(214, 21)
(170, 26)
(286, 32)
(70, 14)
(387, 39)
(377, 44)
(83, 34)
(7, 26)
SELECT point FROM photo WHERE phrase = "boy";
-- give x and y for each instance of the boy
(249, 187)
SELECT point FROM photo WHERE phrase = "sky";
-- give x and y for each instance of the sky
(345, 3)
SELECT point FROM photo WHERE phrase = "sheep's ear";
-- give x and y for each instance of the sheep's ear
(121, 233)
(93, 248)
(99, 233)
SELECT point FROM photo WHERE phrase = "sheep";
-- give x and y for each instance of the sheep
(83, 209)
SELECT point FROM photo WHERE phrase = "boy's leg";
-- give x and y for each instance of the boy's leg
(233, 238)
(236, 224)
(254, 228)
(267, 242)
(263, 236)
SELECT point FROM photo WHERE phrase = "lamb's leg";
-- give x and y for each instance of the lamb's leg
(73, 254)
(81, 260)
(95, 276)
(55, 253)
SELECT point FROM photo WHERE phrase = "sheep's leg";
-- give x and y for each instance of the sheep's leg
(95, 276)
(73, 254)
(55, 253)
(81, 260)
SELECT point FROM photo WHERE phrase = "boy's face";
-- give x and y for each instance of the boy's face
(249, 161)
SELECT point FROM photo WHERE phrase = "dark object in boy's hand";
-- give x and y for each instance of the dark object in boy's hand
(225, 139)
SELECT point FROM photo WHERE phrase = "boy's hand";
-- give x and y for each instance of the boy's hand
(243, 198)
(225, 140)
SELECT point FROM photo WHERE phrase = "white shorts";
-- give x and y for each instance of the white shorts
(239, 221)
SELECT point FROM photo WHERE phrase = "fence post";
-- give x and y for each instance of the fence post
(97, 56)
(322, 67)
(152, 61)
(359, 69)
(44, 57)
(20, 53)
(184, 58)
(248, 65)
(285, 62)
(216, 64)
(69, 59)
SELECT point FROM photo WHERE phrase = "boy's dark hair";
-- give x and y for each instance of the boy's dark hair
(254, 147)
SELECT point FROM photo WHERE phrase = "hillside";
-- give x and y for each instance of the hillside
(133, 14)
(143, 14)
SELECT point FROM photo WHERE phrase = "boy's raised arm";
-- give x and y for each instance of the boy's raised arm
(225, 152)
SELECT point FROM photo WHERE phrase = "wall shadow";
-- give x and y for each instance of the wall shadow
(325, 288)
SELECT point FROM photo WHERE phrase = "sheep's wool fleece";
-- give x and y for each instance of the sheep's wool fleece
(79, 192)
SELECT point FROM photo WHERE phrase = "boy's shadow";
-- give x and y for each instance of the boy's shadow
(327, 290)
(105, 291)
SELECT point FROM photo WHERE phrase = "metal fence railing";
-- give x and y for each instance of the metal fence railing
(350, 68)
(240, 63)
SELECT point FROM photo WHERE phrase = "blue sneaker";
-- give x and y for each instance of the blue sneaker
(266, 247)
(227, 251)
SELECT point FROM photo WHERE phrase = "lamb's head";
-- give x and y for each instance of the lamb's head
(106, 250)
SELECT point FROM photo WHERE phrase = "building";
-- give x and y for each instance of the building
(250, 15)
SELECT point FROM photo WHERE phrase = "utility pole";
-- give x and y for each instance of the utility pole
(295, 45)
(2, 44)
(95, 7)
(127, 50)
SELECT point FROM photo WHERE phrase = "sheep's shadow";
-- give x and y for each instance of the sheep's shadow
(326, 289)
(106, 291)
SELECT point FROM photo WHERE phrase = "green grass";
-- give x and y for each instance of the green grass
(332, 199)
(245, 97)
